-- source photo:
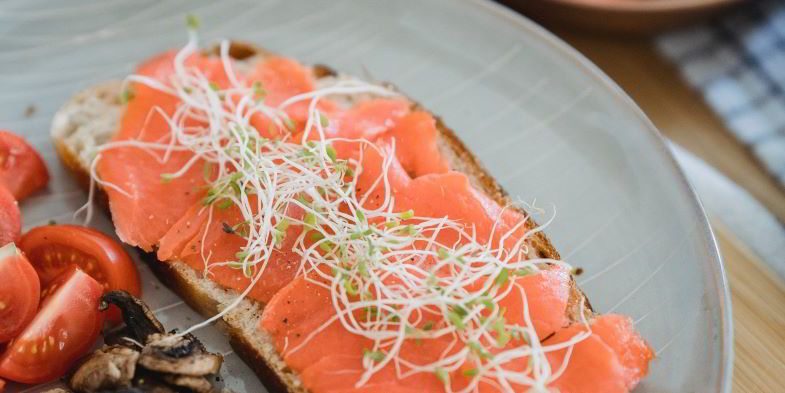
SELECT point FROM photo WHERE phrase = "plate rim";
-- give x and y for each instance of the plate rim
(713, 268)
(715, 260)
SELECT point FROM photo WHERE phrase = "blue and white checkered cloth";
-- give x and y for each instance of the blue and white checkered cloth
(738, 63)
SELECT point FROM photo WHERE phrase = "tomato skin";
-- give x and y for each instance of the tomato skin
(64, 330)
(52, 249)
(10, 218)
(22, 170)
(18, 296)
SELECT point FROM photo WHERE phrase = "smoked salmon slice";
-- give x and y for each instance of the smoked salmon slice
(280, 79)
(223, 240)
(340, 373)
(426, 196)
(148, 205)
(366, 120)
(612, 359)
(369, 119)
(547, 293)
(415, 137)
(618, 332)
(299, 312)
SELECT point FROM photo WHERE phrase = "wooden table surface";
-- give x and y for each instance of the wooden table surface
(758, 295)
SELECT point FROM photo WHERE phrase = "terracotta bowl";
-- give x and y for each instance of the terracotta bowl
(631, 16)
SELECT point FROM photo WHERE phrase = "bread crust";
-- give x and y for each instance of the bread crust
(253, 345)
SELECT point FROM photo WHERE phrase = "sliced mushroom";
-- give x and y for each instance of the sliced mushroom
(108, 368)
(139, 319)
(182, 355)
(175, 346)
(195, 384)
(194, 365)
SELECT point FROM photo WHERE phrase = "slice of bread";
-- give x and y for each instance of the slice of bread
(89, 119)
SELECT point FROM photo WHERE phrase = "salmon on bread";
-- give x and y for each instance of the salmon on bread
(393, 174)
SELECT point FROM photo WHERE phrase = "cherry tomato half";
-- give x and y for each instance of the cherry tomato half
(52, 249)
(65, 329)
(22, 170)
(19, 292)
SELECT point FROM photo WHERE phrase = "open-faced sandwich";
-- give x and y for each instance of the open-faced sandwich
(341, 234)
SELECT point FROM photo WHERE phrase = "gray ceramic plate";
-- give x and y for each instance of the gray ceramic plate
(546, 122)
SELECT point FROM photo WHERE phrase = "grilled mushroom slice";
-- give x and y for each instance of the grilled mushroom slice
(108, 368)
(183, 355)
(139, 319)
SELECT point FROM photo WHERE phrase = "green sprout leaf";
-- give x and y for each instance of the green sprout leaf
(349, 172)
(192, 22)
(282, 225)
(350, 288)
(523, 272)
(127, 95)
(289, 123)
(207, 170)
(310, 219)
(487, 302)
(406, 215)
(503, 338)
(330, 150)
(443, 253)
(478, 349)
(376, 356)
(362, 268)
(456, 320)
(258, 91)
(326, 246)
(442, 375)
(224, 204)
(361, 234)
(502, 278)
